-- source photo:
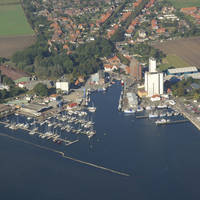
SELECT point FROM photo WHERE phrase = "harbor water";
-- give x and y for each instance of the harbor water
(163, 161)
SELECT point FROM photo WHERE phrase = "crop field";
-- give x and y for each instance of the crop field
(5, 2)
(185, 3)
(181, 52)
(13, 21)
(9, 45)
(15, 32)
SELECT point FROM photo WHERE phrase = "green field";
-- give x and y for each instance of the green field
(13, 21)
(185, 3)
(172, 61)
(9, 1)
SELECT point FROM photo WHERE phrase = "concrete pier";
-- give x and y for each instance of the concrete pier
(191, 118)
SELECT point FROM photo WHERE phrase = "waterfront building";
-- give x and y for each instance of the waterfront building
(153, 80)
(135, 69)
(153, 83)
(34, 109)
(132, 100)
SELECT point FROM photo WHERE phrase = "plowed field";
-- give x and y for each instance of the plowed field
(187, 49)
(9, 45)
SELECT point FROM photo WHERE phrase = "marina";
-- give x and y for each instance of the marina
(56, 128)
(147, 155)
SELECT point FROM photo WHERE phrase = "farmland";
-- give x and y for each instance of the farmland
(185, 3)
(4, 2)
(185, 51)
(15, 32)
(9, 45)
(13, 21)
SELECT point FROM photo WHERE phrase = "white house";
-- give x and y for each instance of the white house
(63, 86)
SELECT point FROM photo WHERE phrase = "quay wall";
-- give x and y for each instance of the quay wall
(188, 116)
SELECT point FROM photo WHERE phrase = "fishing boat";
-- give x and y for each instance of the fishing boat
(7, 125)
(91, 108)
(140, 109)
(58, 141)
(32, 132)
(169, 114)
(163, 114)
(153, 115)
(129, 111)
(148, 108)
(162, 121)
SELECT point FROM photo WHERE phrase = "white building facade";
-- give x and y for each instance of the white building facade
(153, 83)
(63, 86)
(152, 65)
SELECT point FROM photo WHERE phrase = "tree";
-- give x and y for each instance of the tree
(118, 36)
(41, 89)
(2, 60)
(7, 81)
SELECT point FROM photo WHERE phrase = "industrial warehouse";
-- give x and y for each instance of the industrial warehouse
(182, 71)
(34, 109)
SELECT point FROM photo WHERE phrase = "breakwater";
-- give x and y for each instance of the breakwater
(65, 156)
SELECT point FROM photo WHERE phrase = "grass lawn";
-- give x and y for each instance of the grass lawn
(172, 60)
(185, 3)
(13, 21)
